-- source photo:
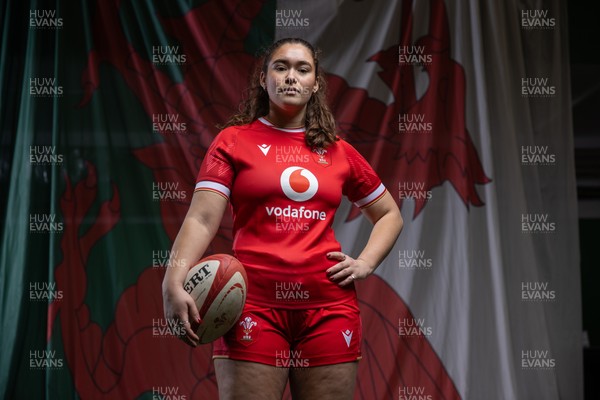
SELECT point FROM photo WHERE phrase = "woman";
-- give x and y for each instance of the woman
(284, 170)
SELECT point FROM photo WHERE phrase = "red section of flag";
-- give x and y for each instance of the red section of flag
(446, 152)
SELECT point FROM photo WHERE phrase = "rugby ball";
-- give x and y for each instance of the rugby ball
(218, 284)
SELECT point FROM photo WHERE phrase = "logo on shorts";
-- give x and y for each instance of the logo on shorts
(347, 336)
(299, 184)
(248, 333)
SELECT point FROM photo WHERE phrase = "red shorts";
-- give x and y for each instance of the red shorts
(294, 338)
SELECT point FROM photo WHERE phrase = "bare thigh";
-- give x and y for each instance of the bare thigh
(329, 382)
(249, 381)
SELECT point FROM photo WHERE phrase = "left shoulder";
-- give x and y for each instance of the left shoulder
(340, 144)
(346, 148)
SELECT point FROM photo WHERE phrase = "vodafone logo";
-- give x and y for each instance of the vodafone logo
(299, 184)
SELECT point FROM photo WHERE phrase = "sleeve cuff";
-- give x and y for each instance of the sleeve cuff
(371, 198)
(213, 187)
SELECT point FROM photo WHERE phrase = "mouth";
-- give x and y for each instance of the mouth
(289, 90)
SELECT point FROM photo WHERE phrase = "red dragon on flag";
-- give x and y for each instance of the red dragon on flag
(110, 364)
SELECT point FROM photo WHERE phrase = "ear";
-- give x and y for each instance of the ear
(262, 79)
(316, 87)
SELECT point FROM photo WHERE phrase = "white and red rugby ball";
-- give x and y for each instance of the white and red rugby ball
(218, 284)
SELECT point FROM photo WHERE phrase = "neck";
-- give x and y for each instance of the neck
(287, 119)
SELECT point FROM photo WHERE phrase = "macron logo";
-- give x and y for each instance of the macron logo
(264, 148)
(347, 336)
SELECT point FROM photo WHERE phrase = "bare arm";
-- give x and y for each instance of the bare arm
(387, 225)
(197, 231)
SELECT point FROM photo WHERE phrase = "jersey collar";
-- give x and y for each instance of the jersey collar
(270, 125)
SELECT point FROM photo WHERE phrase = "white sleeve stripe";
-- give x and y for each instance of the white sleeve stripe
(214, 186)
(374, 194)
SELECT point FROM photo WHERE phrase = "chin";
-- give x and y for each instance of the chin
(295, 102)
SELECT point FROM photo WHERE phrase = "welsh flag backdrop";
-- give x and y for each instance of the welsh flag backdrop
(463, 108)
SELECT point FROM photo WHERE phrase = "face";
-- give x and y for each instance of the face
(290, 78)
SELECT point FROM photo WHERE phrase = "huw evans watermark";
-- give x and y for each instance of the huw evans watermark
(414, 260)
(414, 123)
(413, 190)
(45, 87)
(537, 19)
(413, 327)
(44, 19)
(413, 55)
(168, 191)
(537, 292)
(537, 223)
(168, 55)
(45, 155)
(45, 359)
(290, 359)
(162, 327)
(45, 223)
(44, 291)
(168, 393)
(537, 156)
(168, 123)
(291, 19)
(291, 291)
(413, 393)
(537, 360)
(537, 87)
(167, 259)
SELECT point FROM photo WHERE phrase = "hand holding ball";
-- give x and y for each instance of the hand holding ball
(218, 285)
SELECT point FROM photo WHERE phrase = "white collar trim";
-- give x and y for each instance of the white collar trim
(269, 124)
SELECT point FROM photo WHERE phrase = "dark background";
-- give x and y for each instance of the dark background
(584, 41)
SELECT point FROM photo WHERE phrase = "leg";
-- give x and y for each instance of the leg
(327, 382)
(249, 381)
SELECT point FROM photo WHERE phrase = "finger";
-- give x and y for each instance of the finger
(185, 339)
(342, 274)
(193, 313)
(191, 338)
(187, 334)
(336, 255)
(337, 268)
(348, 280)
(345, 262)
(339, 275)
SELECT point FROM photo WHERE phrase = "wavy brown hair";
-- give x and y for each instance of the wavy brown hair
(319, 122)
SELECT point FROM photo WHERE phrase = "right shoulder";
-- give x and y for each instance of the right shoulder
(231, 133)
(228, 133)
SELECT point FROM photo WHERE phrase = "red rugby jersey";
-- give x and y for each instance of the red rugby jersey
(284, 196)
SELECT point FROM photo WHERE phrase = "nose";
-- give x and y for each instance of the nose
(290, 77)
